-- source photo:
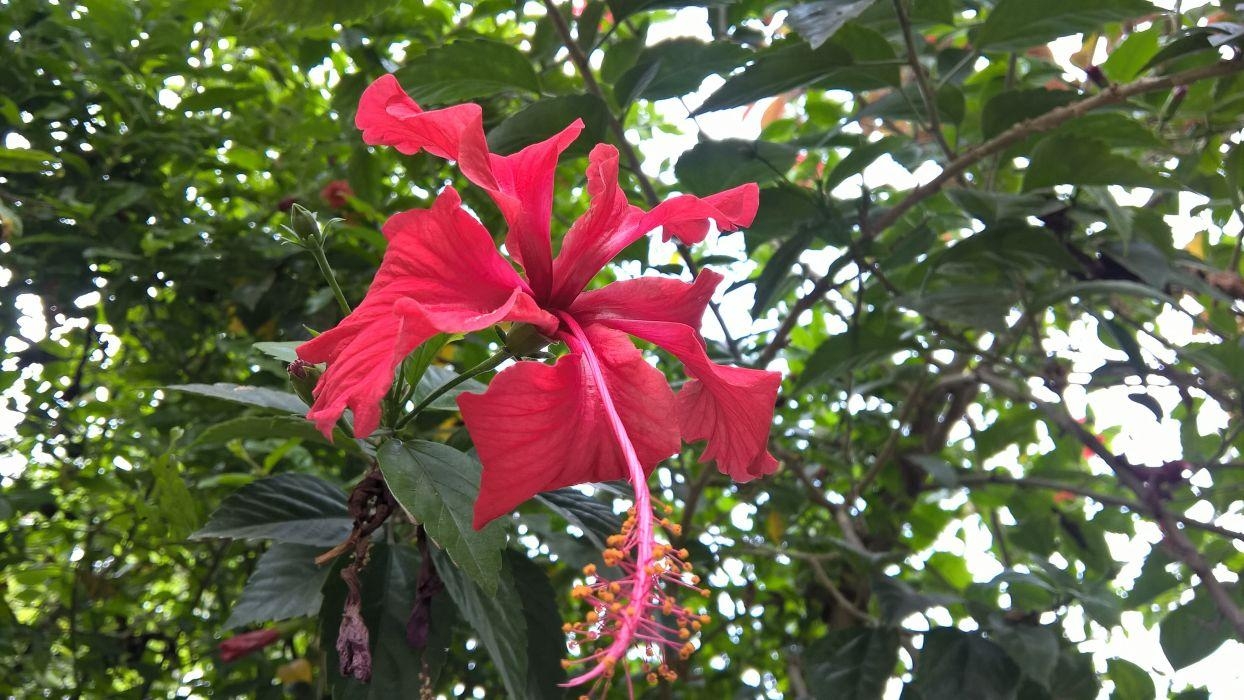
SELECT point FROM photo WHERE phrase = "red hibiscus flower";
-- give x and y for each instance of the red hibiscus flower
(336, 194)
(600, 412)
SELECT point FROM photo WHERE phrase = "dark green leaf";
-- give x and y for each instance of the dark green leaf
(23, 160)
(1006, 109)
(250, 395)
(941, 472)
(818, 21)
(546, 643)
(540, 120)
(1131, 682)
(312, 14)
(262, 427)
(438, 486)
(788, 66)
(852, 663)
(957, 665)
(436, 376)
(777, 270)
(1193, 631)
(873, 340)
(595, 518)
(294, 508)
(466, 70)
(1018, 24)
(1034, 648)
(712, 166)
(286, 583)
(498, 618)
(676, 67)
(1073, 160)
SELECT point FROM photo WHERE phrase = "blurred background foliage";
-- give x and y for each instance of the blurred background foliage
(948, 522)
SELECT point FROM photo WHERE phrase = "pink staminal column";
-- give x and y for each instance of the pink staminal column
(624, 613)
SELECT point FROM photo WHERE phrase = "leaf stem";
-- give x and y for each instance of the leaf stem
(317, 252)
(486, 366)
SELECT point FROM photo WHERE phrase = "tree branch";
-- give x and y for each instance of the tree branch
(1176, 540)
(872, 228)
(1051, 119)
(927, 95)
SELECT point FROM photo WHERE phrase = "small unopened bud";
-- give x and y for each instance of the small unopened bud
(302, 378)
(286, 203)
(523, 339)
(1099, 79)
(304, 225)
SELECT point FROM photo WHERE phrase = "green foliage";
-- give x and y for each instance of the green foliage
(942, 522)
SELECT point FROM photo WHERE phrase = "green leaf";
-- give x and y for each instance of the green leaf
(175, 507)
(936, 467)
(818, 21)
(249, 395)
(1034, 648)
(1192, 632)
(285, 352)
(1006, 109)
(25, 160)
(873, 339)
(851, 664)
(312, 14)
(542, 119)
(293, 508)
(907, 104)
(1018, 24)
(1073, 160)
(898, 599)
(1074, 677)
(858, 159)
(957, 665)
(1131, 682)
(498, 618)
(777, 270)
(995, 207)
(467, 69)
(286, 583)
(1129, 58)
(712, 166)
(438, 486)
(790, 65)
(783, 212)
(546, 643)
(263, 427)
(676, 67)
(436, 376)
(621, 9)
(595, 518)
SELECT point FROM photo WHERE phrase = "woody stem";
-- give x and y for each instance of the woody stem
(641, 582)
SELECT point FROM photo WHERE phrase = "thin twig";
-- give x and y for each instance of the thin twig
(1051, 119)
(922, 82)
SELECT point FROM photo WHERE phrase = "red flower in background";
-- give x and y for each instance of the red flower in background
(337, 193)
(247, 643)
(600, 412)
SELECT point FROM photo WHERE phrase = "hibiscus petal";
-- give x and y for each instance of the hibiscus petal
(611, 223)
(524, 194)
(540, 427)
(650, 299)
(388, 117)
(731, 408)
(687, 217)
(440, 274)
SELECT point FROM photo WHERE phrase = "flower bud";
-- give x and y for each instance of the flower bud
(247, 643)
(304, 225)
(302, 378)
